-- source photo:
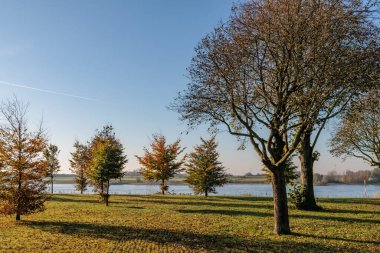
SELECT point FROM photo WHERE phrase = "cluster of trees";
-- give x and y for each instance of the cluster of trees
(202, 166)
(26, 159)
(98, 161)
(273, 75)
(102, 159)
(276, 72)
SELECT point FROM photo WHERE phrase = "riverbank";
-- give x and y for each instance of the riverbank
(263, 190)
(75, 223)
(70, 179)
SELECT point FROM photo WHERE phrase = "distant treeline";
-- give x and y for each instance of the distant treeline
(349, 177)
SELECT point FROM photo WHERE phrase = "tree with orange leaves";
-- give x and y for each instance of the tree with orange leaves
(161, 162)
(22, 164)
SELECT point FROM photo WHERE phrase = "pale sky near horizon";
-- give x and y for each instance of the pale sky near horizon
(82, 64)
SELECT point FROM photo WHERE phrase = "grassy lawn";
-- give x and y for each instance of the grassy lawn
(74, 223)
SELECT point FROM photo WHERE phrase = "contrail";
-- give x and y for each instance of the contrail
(48, 91)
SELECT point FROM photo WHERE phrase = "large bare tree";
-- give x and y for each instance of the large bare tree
(358, 134)
(344, 65)
(261, 76)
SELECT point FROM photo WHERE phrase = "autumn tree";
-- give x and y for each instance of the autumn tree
(22, 164)
(107, 161)
(261, 76)
(358, 134)
(205, 171)
(161, 162)
(80, 163)
(53, 167)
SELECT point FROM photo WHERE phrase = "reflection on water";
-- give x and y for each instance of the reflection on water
(263, 190)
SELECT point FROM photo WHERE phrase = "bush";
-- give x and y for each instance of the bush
(297, 196)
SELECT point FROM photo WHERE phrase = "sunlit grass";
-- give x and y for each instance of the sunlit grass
(74, 223)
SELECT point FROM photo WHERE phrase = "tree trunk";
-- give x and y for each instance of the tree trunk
(51, 180)
(163, 187)
(106, 197)
(206, 194)
(18, 213)
(81, 191)
(281, 217)
(307, 164)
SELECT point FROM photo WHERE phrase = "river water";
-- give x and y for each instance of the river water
(263, 190)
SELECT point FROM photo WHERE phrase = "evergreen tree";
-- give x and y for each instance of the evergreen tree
(204, 170)
(51, 156)
(107, 161)
(161, 164)
(79, 163)
(22, 164)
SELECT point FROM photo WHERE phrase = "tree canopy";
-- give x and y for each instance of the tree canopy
(358, 134)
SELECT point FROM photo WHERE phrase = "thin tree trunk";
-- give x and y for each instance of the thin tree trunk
(163, 187)
(51, 180)
(206, 194)
(307, 164)
(102, 191)
(281, 217)
(18, 212)
(108, 187)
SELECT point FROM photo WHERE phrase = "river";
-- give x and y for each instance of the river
(263, 190)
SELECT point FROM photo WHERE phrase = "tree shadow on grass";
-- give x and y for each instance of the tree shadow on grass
(334, 218)
(348, 211)
(226, 212)
(366, 201)
(297, 216)
(73, 198)
(204, 203)
(194, 241)
(243, 198)
(336, 238)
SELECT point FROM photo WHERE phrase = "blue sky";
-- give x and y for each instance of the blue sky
(126, 60)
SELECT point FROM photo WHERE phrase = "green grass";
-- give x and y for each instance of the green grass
(74, 223)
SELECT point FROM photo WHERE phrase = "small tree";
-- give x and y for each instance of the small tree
(79, 163)
(51, 156)
(107, 161)
(22, 165)
(358, 135)
(204, 170)
(161, 164)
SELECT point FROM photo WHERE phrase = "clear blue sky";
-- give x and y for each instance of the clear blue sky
(125, 60)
